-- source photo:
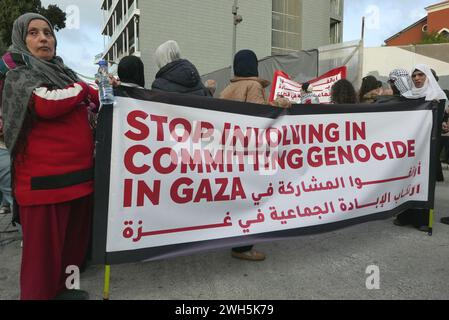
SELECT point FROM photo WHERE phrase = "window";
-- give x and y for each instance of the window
(286, 26)
(444, 32)
(335, 33)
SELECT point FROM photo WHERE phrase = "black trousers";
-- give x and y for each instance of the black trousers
(414, 217)
(242, 249)
(444, 144)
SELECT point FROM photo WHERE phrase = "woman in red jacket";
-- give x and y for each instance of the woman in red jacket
(45, 112)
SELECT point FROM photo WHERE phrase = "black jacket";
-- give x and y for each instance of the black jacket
(179, 76)
(389, 99)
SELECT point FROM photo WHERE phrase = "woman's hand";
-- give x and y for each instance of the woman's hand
(445, 127)
(281, 103)
(113, 81)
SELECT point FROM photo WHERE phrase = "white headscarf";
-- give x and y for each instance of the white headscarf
(431, 90)
(166, 53)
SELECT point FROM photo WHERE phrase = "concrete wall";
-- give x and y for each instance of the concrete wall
(437, 51)
(203, 30)
(381, 61)
(315, 24)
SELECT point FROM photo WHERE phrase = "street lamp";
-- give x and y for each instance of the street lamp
(236, 20)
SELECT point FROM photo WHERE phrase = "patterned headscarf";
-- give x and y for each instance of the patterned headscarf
(401, 80)
(22, 73)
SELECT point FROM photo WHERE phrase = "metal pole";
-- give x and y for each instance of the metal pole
(234, 34)
(363, 28)
(430, 222)
(236, 20)
(107, 277)
(361, 54)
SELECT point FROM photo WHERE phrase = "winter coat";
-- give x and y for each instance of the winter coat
(246, 89)
(179, 76)
(370, 97)
(57, 161)
(389, 99)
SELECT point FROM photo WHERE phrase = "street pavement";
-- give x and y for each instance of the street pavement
(411, 265)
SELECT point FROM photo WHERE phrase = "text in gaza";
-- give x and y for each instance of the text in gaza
(184, 190)
(168, 160)
(160, 128)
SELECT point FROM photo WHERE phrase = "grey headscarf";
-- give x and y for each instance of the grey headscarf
(166, 53)
(31, 74)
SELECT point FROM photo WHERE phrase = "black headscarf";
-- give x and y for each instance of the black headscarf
(245, 64)
(131, 70)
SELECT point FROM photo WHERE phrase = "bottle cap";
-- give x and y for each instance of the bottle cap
(102, 63)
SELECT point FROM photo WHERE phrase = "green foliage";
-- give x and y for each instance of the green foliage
(55, 15)
(434, 37)
(10, 10)
(3, 48)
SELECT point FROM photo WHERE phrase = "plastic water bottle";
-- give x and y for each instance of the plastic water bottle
(106, 91)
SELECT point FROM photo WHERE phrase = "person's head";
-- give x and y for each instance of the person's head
(400, 81)
(131, 70)
(246, 64)
(419, 78)
(370, 84)
(425, 84)
(33, 33)
(343, 92)
(307, 87)
(166, 53)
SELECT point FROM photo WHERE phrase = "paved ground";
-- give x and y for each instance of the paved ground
(326, 266)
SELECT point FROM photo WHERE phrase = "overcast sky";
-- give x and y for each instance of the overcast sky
(383, 18)
(82, 40)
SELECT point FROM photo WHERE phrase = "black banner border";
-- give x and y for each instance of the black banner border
(103, 166)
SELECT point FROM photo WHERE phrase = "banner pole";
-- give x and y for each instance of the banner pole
(107, 276)
(430, 222)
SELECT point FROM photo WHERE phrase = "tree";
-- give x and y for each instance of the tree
(434, 37)
(3, 48)
(10, 10)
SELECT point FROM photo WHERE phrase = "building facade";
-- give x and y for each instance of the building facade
(204, 29)
(436, 21)
(302, 25)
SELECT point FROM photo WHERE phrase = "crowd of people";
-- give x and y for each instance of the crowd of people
(421, 84)
(45, 109)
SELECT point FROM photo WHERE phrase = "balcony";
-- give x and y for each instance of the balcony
(121, 13)
(121, 27)
(109, 5)
(127, 43)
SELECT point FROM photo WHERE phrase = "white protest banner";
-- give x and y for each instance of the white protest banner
(187, 173)
(283, 86)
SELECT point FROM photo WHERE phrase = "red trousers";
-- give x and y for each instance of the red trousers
(54, 237)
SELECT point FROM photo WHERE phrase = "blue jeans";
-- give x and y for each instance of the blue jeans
(5, 177)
